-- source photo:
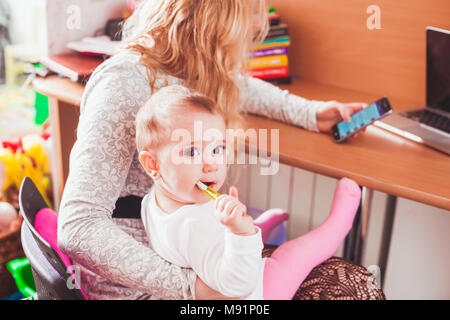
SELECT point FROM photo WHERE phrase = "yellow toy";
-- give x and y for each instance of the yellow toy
(26, 157)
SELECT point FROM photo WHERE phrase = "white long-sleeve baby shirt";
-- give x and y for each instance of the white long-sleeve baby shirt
(192, 237)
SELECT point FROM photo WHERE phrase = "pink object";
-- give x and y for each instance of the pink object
(291, 262)
(270, 219)
(46, 224)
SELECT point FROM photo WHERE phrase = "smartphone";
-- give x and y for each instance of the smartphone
(362, 119)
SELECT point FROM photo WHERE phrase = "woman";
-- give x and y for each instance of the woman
(200, 44)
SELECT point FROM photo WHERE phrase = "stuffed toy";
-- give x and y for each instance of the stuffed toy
(26, 157)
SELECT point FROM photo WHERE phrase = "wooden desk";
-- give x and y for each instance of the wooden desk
(377, 160)
(64, 98)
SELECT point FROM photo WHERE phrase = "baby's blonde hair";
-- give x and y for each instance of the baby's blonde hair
(204, 42)
(154, 120)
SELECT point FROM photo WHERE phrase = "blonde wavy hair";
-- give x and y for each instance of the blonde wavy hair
(203, 42)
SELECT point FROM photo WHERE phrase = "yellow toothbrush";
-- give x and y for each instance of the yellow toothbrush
(210, 192)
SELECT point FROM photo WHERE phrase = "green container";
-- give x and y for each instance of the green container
(21, 272)
(41, 106)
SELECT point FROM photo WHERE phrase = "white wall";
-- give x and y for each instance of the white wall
(71, 20)
(27, 21)
(52, 23)
(419, 257)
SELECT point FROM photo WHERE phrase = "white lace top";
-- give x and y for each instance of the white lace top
(114, 255)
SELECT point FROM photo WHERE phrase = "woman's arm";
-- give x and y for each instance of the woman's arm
(262, 98)
(99, 165)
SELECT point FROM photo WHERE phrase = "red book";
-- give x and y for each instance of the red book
(74, 66)
(269, 73)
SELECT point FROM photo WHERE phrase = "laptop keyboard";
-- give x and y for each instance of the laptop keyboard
(413, 115)
(435, 120)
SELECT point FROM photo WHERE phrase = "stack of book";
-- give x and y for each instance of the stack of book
(269, 60)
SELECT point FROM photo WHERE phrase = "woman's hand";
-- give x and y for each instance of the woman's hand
(335, 112)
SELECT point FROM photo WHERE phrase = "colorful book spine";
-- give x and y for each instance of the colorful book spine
(268, 60)
(269, 73)
(276, 40)
(277, 31)
(274, 19)
(265, 62)
(278, 81)
(272, 43)
(268, 52)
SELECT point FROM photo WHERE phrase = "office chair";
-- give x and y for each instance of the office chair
(52, 270)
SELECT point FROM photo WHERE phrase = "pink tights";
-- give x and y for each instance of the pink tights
(291, 262)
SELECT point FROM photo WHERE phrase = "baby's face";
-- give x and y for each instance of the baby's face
(196, 151)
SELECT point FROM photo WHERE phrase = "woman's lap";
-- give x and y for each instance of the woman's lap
(336, 279)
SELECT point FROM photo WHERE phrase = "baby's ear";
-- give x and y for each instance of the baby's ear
(147, 161)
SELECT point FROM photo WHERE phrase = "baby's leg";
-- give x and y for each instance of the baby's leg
(268, 220)
(291, 263)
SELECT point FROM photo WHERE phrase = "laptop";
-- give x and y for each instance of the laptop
(429, 125)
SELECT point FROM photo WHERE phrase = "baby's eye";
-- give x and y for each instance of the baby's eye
(191, 152)
(219, 149)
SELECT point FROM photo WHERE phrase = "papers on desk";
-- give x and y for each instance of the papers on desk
(102, 45)
(87, 55)
(75, 66)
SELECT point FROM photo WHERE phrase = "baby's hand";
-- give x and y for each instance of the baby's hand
(233, 214)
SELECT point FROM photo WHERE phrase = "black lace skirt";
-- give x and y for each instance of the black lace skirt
(336, 279)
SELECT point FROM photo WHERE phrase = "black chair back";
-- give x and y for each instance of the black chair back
(49, 271)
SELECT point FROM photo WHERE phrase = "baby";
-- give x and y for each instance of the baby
(181, 139)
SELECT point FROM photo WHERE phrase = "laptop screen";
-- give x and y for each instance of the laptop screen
(438, 69)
